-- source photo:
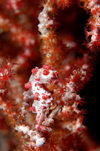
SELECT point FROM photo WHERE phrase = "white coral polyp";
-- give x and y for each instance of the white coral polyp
(34, 135)
(45, 22)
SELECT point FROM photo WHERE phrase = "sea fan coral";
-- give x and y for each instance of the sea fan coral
(43, 109)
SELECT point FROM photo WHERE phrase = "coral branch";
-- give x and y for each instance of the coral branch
(93, 26)
(50, 49)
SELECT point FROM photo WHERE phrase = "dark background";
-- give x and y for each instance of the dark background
(91, 92)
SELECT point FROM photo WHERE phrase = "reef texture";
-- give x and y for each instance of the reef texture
(57, 41)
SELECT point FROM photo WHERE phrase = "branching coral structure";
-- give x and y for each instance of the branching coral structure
(43, 109)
